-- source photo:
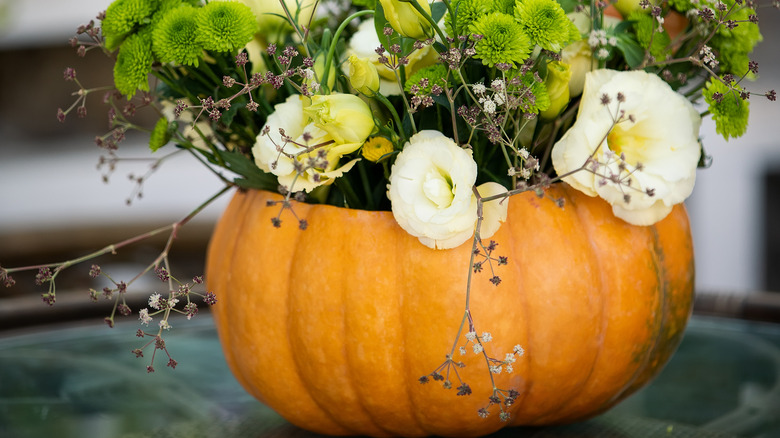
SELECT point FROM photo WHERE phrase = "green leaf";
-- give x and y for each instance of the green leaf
(252, 176)
(438, 10)
(632, 51)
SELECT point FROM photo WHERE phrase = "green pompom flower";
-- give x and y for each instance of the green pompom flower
(435, 74)
(226, 26)
(503, 40)
(727, 107)
(133, 64)
(530, 90)
(160, 135)
(466, 13)
(734, 45)
(546, 24)
(647, 35)
(505, 6)
(175, 37)
(122, 17)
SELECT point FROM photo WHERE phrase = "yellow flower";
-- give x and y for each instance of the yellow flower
(557, 83)
(376, 147)
(345, 117)
(269, 14)
(405, 19)
(363, 76)
(274, 154)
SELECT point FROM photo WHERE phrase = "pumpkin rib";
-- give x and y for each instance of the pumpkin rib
(520, 401)
(659, 321)
(348, 302)
(415, 409)
(596, 256)
(311, 217)
(307, 411)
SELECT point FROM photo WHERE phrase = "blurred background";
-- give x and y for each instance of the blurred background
(54, 205)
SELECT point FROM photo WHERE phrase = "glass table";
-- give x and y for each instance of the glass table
(82, 381)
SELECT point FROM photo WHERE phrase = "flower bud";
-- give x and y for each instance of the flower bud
(557, 83)
(363, 75)
(405, 19)
(579, 57)
(345, 117)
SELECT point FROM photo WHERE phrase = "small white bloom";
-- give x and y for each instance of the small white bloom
(154, 301)
(308, 73)
(478, 88)
(143, 315)
(613, 41)
(518, 350)
(524, 153)
(489, 106)
(662, 135)
(462, 351)
(498, 98)
(510, 358)
(495, 369)
(477, 348)
(486, 337)
(164, 325)
(172, 302)
(497, 84)
(602, 53)
(471, 336)
(431, 193)
(509, 368)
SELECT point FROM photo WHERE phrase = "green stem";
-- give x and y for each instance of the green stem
(332, 49)
(394, 113)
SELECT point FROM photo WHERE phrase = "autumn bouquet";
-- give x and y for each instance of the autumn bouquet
(439, 112)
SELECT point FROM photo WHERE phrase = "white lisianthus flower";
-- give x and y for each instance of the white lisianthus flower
(658, 134)
(431, 192)
(290, 116)
(363, 45)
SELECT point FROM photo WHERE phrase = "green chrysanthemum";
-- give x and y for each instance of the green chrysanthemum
(734, 45)
(503, 40)
(122, 16)
(436, 75)
(175, 38)
(546, 24)
(466, 13)
(133, 64)
(160, 135)
(532, 93)
(226, 26)
(727, 107)
(647, 35)
(505, 6)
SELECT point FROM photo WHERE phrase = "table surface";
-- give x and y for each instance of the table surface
(82, 381)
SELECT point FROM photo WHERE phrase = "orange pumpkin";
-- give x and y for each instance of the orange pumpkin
(333, 326)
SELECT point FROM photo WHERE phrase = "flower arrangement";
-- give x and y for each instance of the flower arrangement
(440, 112)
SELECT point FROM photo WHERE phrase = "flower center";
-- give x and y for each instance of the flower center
(438, 188)
(629, 142)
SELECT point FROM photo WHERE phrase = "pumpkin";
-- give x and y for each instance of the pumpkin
(332, 326)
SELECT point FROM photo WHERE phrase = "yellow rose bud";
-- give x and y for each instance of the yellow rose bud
(579, 57)
(557, 83)
(376, 147)
(271, 16)
(363, 75)
(319, 69)
(345, 117)
(405, 19)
